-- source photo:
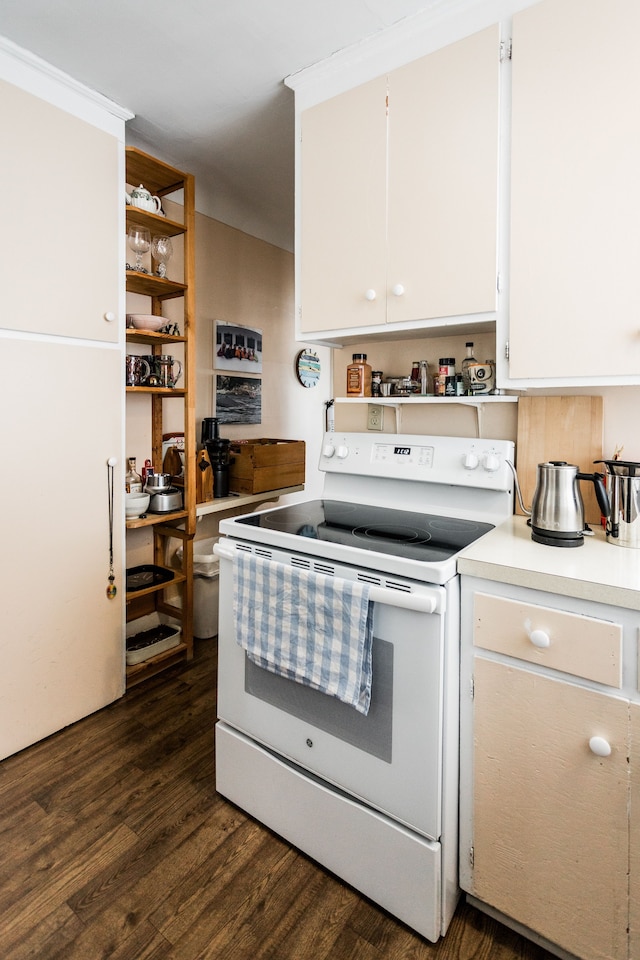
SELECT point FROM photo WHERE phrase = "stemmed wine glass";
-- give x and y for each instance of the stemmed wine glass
(161, 251)
(139, 241)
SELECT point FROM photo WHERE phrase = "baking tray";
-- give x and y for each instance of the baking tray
(147, 575)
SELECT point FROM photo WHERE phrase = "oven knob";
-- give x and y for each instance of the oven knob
(491, 463)
(470, 461)
(328, 450)
(342, 452)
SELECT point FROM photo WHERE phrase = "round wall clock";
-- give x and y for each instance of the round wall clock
(307, 368)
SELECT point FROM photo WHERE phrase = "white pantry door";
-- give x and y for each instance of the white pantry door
(61, 644)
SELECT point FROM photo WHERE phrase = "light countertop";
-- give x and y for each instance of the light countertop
(597, 570)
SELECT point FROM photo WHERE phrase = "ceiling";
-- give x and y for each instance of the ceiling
(204, 79)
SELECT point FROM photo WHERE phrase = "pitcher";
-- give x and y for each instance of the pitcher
(137, 370)
(165, 366)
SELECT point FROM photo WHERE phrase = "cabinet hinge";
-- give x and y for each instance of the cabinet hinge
(506, 349)
(499, 283)
(506, 49)
(472, 688)
(471, 857)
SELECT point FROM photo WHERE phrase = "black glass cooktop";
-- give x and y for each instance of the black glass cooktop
(414, 536)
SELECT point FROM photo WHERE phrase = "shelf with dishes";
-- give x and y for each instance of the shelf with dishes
(151, 519)
(152, 338)
(154, 373)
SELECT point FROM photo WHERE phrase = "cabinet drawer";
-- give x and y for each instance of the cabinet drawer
(575, 644)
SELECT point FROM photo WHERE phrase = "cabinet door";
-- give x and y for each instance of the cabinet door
(62, 649)
(59, 269)
(634, 855)
(443, 179)
(575, 191)
(550, 818)
(343, 210)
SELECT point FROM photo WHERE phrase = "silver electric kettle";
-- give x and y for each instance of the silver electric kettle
(557, 510)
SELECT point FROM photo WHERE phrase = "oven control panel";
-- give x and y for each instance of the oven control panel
(457, 461)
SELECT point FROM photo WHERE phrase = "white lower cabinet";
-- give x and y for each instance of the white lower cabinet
(547, 768)
(634, 834)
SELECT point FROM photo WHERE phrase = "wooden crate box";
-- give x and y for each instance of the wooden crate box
(266, 464)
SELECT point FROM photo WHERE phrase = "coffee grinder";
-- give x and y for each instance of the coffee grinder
(218, 451)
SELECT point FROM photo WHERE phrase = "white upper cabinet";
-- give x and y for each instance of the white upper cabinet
(342, 245)
(64, 205)
(398, 185)
(575, 194)
(442, 181)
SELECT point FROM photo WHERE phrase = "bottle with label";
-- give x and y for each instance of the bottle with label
(424, 378)
(359, 376)
(466, 363)
(376, 380)
(132, 479)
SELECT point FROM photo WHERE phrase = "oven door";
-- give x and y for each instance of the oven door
(390, 759)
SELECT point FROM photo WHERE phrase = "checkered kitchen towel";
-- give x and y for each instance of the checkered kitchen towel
(315, 629)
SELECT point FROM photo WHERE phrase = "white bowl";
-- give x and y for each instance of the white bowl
(135, 504)
(143, 321)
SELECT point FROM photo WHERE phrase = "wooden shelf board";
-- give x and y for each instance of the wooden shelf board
(138, 672)
(236, 500)
(151, 337)
(157, 391)
(151, 286)
(158, 225)
(157, 176)
(156, 588)
(150, 519)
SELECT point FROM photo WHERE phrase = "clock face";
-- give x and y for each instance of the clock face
(307, 368)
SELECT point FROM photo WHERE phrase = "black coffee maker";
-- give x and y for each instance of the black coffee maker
(219, 455)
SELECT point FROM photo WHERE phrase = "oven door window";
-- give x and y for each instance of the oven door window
(371, 733)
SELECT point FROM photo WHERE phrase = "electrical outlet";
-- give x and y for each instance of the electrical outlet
(375, 416)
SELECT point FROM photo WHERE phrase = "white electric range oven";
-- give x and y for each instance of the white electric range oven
(374, 798)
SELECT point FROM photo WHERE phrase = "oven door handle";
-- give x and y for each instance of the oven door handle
(426, 601)
(423, 602)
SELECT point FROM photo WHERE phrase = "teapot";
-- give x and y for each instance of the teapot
(140, 197)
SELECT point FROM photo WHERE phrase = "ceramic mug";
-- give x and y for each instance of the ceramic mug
(481, 377)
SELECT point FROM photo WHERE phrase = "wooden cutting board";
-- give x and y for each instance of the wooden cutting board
(559, 428)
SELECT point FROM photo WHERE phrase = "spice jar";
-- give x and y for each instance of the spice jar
(359, 376)
(376, 380)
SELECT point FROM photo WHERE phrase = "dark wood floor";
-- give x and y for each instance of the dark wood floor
(115, 844)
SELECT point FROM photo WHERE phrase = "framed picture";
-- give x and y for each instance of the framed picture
(238, 399)
(237, 348)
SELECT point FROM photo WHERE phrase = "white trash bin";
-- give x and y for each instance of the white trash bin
(205, 588)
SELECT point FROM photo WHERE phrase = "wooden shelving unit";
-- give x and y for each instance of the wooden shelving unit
(164, 180)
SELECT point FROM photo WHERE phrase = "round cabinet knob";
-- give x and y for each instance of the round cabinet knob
(540, 639)
(600, 746)
(470, 461)
(109, 316)
(397, 290)
(328, 450)
(370, 295)
(491, 463)
(342, 452)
